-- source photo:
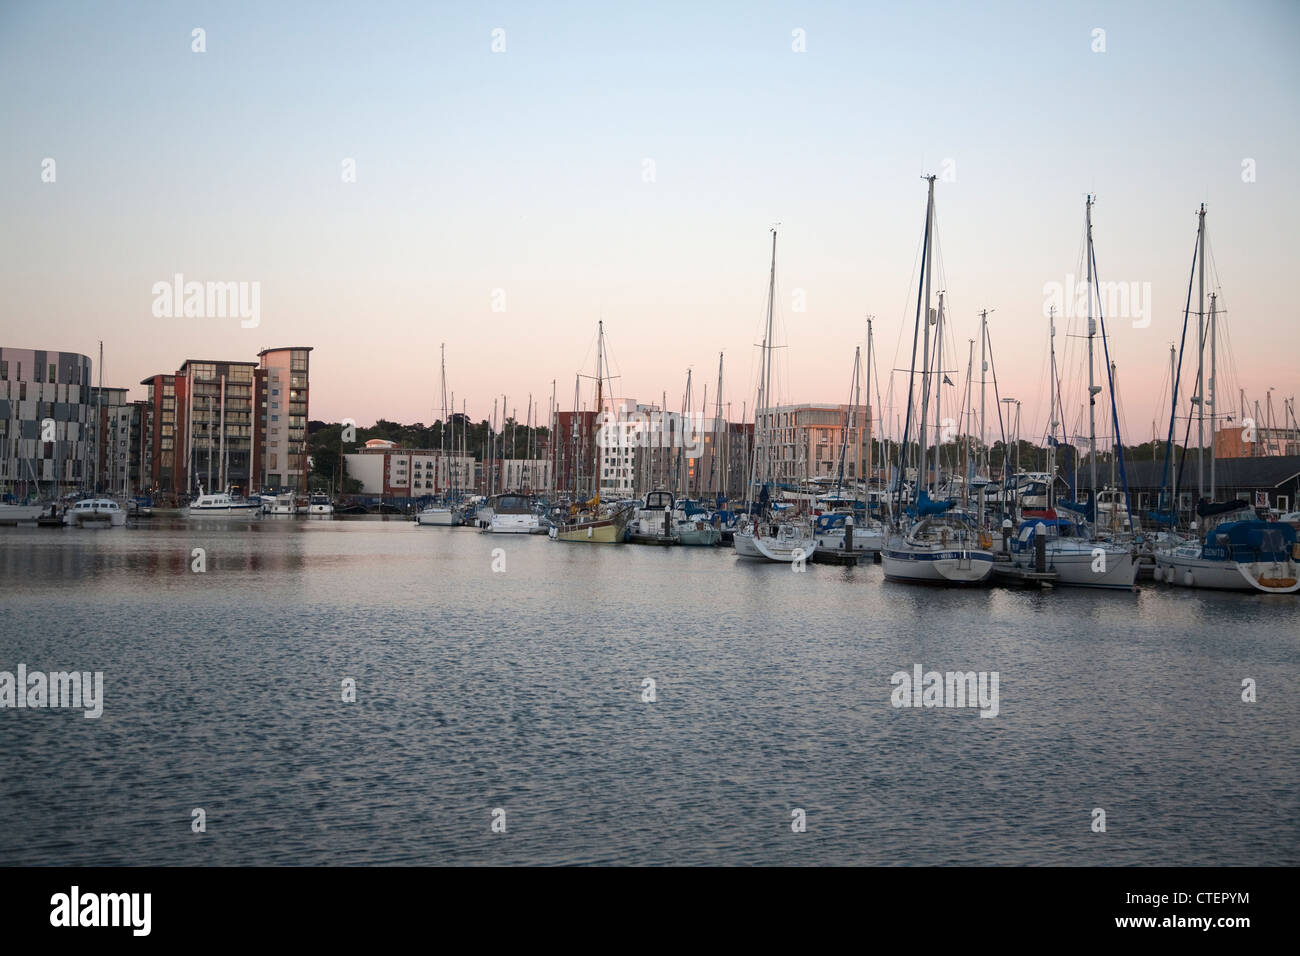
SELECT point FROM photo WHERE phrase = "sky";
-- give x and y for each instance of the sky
(625, 163)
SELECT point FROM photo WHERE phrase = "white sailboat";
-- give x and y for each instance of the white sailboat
(441, 513)
(1072, 550)
(942, 546)
(762, 536)
(1234, 551)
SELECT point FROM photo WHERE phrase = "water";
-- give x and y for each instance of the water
(521, 690)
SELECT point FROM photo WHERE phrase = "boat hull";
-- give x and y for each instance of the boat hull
(1075, 568)
(948, 566)
(513, 524)
(599, 531)
(437, 517)
(1182, 568)
(231, 511)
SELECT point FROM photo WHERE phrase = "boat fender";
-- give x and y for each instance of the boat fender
(1187, 578)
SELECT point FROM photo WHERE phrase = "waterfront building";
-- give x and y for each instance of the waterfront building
(47, 422)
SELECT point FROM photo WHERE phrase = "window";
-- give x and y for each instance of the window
(53, 374)
(4, 371)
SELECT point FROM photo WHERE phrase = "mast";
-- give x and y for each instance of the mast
(716, 463)
(764, 379)
(922, 479)
(870, 429)
(1051, 398)
(1200, 357)
(442, 432)
(1213, 372)
(938, 393)
(600, 408)
(984, 367)
(965, 451)
(1093, 387)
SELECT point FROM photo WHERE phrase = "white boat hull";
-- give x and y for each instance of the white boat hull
(11, 513)
(230, 511)
(514, 524)
(1076, 567)
(940, 566)
(440, 517)
(1185, 568)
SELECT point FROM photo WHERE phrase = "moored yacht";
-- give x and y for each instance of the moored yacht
(1070, 550)
(320, 506)
(1238, 553)
(95, 513)
(513, 514)
(223, 505)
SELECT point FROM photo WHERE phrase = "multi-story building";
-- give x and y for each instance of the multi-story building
(1255, 441)
(805, 441)
(386, 469)
(47, 421)
(282, 387)
(228, 424)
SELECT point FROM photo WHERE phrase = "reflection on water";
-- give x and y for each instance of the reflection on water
(522, 689)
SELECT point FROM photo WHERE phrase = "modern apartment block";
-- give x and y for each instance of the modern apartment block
(47, 421)
(387, 469)
(805, 441)
(282, 387)
(229, 424)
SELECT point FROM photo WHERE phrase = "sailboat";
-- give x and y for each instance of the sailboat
(1073, 551)
(1233, 550)
(943, 545)
(587, 522)
(851, 532)
(762, 536)
(440, 512)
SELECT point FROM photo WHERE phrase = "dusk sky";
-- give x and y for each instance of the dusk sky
(627, 165)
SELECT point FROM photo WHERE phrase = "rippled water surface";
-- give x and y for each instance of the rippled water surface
(521, 690)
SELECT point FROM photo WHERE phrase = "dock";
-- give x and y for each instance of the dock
(1008, 573)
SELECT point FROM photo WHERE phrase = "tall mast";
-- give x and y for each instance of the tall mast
(442, 436)
(965, 450)
(600, 408)
(857, 422)
(1051, 399)
(1093, 387)
(1200, 357)
(870, 429)
(922, 479)
(1213, 405)
(715, 462)
(764, 370)
(938, 392)
(984, 367)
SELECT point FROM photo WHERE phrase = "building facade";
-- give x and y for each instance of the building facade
(810, 441)
(47, 422)
(234, 425)
(385, 469)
